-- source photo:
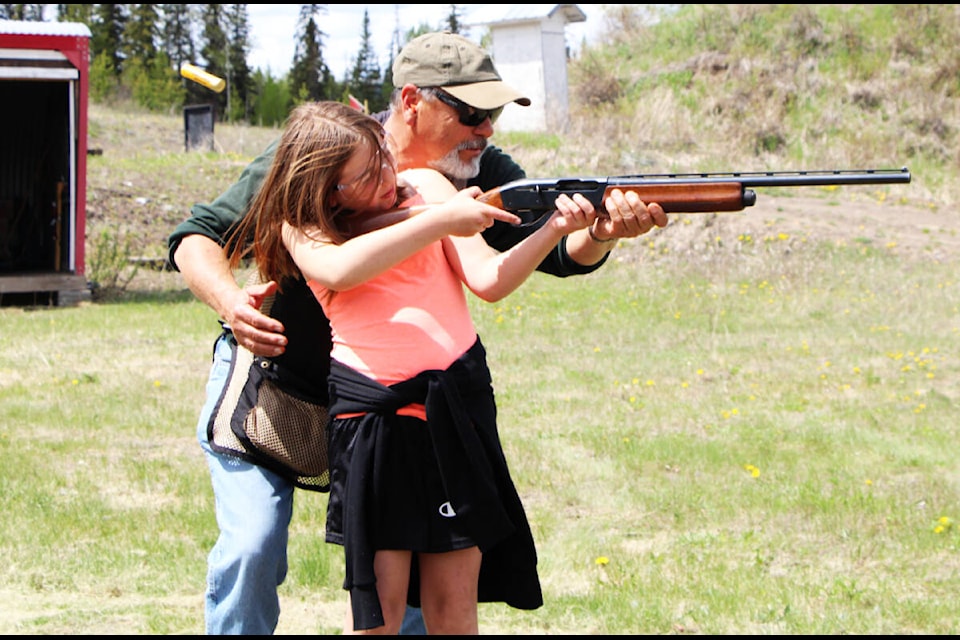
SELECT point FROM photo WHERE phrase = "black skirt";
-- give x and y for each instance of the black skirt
(408, 507)
(397, 482)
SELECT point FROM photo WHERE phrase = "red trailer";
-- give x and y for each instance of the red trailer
(44, 76)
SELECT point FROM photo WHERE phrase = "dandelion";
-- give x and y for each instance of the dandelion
(869, 482)
(157, 383)
(754, 472)
(602, 561)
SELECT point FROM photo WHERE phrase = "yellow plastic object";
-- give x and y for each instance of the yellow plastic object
(195, 73)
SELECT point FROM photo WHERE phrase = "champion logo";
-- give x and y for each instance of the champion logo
(446, 510)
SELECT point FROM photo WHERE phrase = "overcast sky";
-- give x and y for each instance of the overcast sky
(272, 30)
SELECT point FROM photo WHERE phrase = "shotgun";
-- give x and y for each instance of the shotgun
(678, 192)
(675, 192)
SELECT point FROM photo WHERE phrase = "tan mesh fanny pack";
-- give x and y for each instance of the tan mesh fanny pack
(258, 420)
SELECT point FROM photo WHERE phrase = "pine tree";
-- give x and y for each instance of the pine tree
(453, 19)
(27, 12)
(106, 32)
(365, 81)
(176, 33)
(214, 52)
(148, 74)
(237, 26)
(82, 13)
(310, 77)
(141, 34)
(271, 103)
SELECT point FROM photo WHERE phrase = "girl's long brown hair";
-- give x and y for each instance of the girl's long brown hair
(318, 139)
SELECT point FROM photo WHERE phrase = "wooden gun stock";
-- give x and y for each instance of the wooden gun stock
(674, 198)
(371, 222)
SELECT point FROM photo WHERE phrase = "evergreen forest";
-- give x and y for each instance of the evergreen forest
(137, 51)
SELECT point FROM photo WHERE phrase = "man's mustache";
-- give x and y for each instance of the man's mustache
(479, 144)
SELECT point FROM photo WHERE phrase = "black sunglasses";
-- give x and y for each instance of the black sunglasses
(469, 116)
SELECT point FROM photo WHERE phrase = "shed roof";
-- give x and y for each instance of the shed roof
(506, 13)
(37, 28)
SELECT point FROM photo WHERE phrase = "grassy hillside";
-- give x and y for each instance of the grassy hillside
(766, 87)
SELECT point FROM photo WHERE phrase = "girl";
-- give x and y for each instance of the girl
(421, 498)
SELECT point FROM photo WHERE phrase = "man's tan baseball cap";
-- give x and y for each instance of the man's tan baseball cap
(459, 65)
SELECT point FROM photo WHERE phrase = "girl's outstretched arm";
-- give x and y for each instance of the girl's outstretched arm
(491, 275)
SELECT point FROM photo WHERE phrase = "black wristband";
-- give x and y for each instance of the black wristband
(594, 237)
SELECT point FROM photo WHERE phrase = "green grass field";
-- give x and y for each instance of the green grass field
(761, 441)
(741, 425)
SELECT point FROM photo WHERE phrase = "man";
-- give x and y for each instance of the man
(441, 116)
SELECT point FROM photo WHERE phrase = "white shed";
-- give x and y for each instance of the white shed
(529, 49)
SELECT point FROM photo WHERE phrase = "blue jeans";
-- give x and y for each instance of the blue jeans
(253, 509)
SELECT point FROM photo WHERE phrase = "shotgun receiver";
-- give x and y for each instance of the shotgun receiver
(678, 192)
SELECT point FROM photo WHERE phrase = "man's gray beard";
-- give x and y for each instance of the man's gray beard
(454, 168)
